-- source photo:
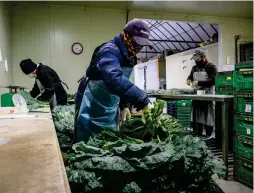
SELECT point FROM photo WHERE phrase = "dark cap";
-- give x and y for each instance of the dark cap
(198, 54)
(139, 30)
(28, 66)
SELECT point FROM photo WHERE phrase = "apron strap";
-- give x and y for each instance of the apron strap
(80, 79)
(65, 84)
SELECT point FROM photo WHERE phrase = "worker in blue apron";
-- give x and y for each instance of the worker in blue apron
(202, 77)
(47, 86)
(107, 84)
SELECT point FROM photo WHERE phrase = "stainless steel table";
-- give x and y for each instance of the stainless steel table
(13, 89)
(225, 100)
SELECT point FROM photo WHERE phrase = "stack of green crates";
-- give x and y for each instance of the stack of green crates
(243, 106)
(184, 112)
(224, 83)
(6, 100)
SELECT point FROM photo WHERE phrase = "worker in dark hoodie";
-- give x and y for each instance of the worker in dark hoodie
(48, 86)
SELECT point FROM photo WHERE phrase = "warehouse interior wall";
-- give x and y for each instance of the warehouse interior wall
(5, 45)
(179, 66)
(45, 34)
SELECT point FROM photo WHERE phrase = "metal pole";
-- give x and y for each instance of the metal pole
(127, 15)
(145, 77)
(225, 135)
(237, 37)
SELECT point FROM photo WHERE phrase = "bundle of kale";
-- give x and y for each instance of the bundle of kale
(174, 91)
(156, 157)
(32, 103)
(63, 117)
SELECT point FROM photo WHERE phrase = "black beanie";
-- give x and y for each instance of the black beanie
(27, 66)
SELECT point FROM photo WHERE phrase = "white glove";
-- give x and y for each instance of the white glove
(148, 107)
(125, 114)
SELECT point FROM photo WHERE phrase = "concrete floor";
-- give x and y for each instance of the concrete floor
(229, 186)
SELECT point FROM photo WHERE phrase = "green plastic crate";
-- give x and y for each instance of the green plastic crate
(244, 125)
(183, 110)
(224, 79)
(244, 103)
(243, 171)
(222, 91)
(6, 100)
(244, 65)
(183, 116)
(184, 103)
(244, 147)
(243, 80)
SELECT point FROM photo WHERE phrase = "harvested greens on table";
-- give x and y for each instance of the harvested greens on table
(173, 91)
(32, 103)
(70, 97)
(155, 157)
(63, 117)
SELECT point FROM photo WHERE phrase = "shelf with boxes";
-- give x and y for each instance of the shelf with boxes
(243, 123)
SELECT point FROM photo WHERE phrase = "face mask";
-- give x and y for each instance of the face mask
(31, 75)
(199, 63)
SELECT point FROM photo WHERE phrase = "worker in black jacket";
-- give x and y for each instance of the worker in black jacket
(202, 77)
(48, 86)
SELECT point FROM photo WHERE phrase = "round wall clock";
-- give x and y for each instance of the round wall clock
(77, 48)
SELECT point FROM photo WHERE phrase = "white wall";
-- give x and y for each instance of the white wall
(152, 75)
(178, 66)
(46, 33)
(5, 45)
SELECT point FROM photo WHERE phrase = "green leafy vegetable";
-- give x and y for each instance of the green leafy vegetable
(70, 97)
(32, 103)
(174, 91)
(155, 157)
(63, 117)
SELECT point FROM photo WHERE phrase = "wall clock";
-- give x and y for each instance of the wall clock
(77, 48)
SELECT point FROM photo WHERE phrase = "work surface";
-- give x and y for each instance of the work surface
(30, 158)
(217, 98)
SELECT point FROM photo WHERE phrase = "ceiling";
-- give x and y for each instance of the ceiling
(235, 9)
(181, 36)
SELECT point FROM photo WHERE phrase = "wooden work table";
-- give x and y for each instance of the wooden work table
(30, 157)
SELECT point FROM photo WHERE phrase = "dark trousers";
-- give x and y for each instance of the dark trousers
(198, 129)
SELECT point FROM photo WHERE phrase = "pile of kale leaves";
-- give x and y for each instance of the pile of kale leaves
(31, 102)
(158, 156)
(63, 117)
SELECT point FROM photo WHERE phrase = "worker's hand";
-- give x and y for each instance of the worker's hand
(125, 114)
(194, 84)
(188, 82)
(147, 108)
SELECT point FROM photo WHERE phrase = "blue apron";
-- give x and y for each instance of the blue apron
(98, 109)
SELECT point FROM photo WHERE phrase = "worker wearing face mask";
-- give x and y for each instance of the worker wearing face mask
(202, 77)
(48, 86)
(107, 86)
